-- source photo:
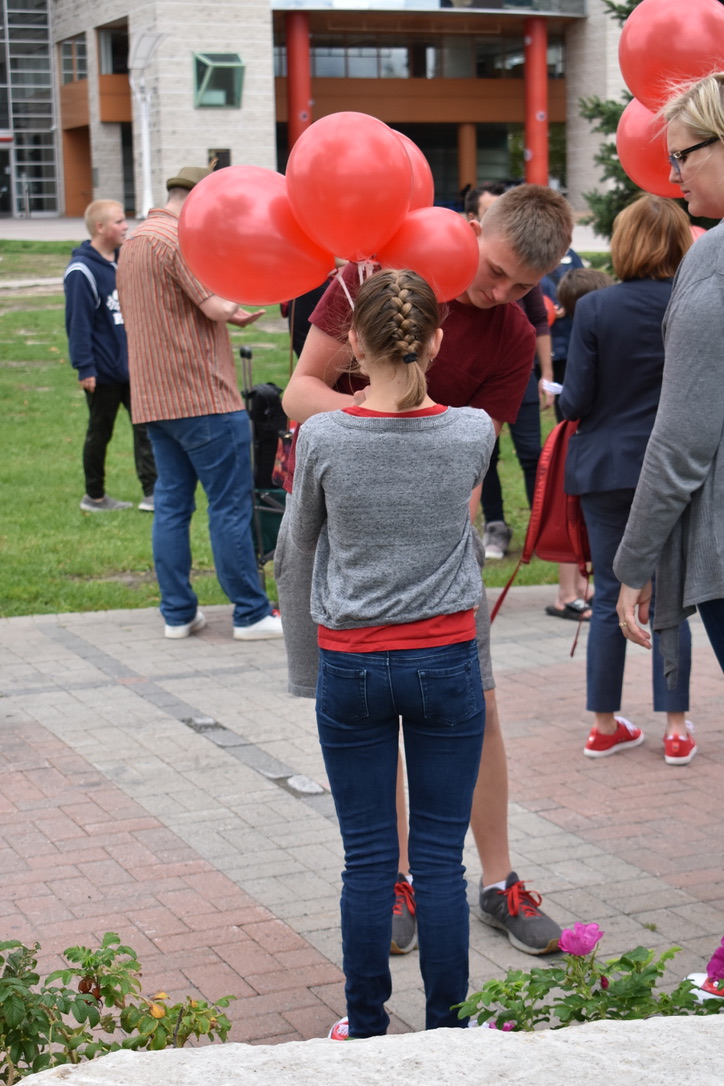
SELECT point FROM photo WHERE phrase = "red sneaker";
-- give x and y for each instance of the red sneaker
(680, 749)
(340, 1030)
(626, 735)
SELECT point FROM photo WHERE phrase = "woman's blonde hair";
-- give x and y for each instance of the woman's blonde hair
(395, 317)
(650, 238)
(699, 106)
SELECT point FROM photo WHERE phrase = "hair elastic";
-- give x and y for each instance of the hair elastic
(408, 358)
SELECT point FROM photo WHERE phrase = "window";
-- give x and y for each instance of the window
(219, 158)
(113, 50)
(73, 64)
(452, 56)
(218, 80)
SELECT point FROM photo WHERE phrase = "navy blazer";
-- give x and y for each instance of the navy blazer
(613, 382)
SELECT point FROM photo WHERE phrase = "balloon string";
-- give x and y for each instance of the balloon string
(340, 280)
(365, 268)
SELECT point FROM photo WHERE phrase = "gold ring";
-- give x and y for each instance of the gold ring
(623, 625)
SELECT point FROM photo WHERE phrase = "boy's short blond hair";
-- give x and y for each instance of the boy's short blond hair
(99, 212)
(535, 221)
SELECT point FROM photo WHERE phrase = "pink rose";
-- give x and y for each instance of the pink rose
(580, 939)
(715, 968)
(604, 983)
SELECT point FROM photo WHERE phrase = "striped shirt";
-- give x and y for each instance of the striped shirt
(180, 362)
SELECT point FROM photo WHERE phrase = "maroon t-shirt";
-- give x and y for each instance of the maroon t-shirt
(484, 361)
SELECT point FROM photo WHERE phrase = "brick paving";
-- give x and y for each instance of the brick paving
(173, 792)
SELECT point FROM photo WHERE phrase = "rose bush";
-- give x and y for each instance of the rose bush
(578, 988)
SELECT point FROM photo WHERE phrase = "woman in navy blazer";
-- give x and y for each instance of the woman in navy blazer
(612, 384)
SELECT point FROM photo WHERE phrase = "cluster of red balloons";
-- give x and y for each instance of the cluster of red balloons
(663, 43)
(354, 189)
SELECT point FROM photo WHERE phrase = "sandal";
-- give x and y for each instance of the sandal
(574, 610)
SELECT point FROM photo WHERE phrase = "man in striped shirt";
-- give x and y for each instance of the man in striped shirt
(183, 386)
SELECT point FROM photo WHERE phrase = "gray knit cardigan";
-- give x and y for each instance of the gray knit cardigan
(676, 525)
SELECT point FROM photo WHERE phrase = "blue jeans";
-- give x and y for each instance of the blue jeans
(712, 616)
(606, 514)
(360, 698)
(215, 451)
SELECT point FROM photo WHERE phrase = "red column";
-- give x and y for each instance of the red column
(299, 78)
(536, 101)
(467, 156)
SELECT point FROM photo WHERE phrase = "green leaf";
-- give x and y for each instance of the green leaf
(79, 1010)
(14, 1010)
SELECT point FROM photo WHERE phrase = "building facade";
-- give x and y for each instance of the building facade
(109, 98)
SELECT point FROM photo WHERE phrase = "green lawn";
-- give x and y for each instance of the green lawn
(56, 558)
(30, 259)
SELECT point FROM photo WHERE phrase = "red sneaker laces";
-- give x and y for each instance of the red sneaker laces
(404, 895)
(520, 899)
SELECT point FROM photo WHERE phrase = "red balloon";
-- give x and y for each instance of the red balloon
(642, 150)
(349, 180)
(664, 42)
(439, 245)
(240, 238)
(423, 185)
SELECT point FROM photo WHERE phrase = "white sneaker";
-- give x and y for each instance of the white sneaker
(496, 539)
(263, 630)
(148, 504)
(197, 623)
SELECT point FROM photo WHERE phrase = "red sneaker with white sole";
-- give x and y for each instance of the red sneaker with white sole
(340, 1030)
(680, 749)
(626, 735)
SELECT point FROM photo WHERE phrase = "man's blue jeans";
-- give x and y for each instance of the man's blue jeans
(606, 514)
(439, 696)
(215, 451)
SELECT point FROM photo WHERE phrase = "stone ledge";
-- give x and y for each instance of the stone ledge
(656, 1052)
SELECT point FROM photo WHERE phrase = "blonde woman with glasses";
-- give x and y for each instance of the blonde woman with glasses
(676, 526)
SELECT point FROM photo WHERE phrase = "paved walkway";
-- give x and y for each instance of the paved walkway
(172, 792)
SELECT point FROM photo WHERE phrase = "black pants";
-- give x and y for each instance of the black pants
(525, 432)
(103, 407)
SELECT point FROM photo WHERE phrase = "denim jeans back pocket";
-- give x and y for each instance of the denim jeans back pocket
(342, 693)
(448, 694)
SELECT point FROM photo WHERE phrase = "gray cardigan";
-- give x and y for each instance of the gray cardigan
(383, 504)
(676, 525)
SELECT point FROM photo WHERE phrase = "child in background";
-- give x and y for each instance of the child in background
(580, 281)
(381, 493)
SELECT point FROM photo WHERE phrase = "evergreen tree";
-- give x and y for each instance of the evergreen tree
(604, 114)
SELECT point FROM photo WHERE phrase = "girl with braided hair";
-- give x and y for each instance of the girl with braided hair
(381, 494)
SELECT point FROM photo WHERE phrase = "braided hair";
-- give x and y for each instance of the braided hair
(395, 317)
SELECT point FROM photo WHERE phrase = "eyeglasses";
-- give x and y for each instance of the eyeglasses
(678, 158)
